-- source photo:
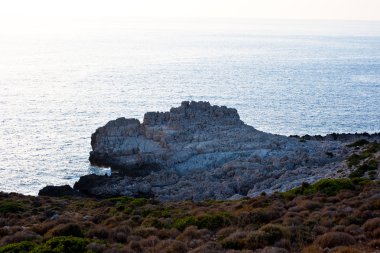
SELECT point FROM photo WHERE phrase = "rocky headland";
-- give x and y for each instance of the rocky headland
(198, 151)
(324, 191)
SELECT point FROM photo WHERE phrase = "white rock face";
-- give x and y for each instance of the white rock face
(198, 151)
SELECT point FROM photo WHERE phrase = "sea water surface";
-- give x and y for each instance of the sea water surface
(61, 79)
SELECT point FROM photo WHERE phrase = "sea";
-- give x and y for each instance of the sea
(62, 78)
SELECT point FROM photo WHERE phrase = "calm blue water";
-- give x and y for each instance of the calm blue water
(61, 79)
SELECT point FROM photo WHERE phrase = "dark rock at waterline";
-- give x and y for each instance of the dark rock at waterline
(59, 191)
(89, 182)
(343, 137)
(111, 186)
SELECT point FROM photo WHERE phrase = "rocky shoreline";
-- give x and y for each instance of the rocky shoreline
(198, 151)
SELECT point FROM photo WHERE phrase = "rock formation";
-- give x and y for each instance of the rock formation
(59, 191)
(198, 151)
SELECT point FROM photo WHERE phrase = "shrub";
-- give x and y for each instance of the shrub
(334, 239)
(355, 159)
(267, 235)
(44, 227)
(231, 244)
(155, 222)
(214, 221)
(11, 206)
(161, 212)
(370, 166)
(70, 229)
(346, 250)
(168, 233)
(257, 216)
(376, 233)
(256, 240)
(20, 247)
(120, 234)
(19, 237)
(353, 229)
(210, 247)
(145, 232)
(182, 223)
(149, 242)
(235, 240)
(96, 247)
(224, 232)
(120, 237)
(209, 221)
(311, 205)
(122, 201)
(312, 249)
(170, 246)
(329, 186)
(192, 232)
(98, 232)
(274, 250)
(63, 244)
(358, 143)
(371, 224)
(375, 243)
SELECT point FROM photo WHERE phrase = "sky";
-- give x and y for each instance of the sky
(257, 9)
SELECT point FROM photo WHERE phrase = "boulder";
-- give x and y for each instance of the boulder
(59, 191)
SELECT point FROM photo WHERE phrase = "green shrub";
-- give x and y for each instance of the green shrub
(361, 181)
(138, 201)
(355, 159)
(10, 206)
(153, 222)
(332, 186)
(370, 166)
(182, 223)
(372, 149)
(122, 201)
(358, 143)
(214, 221)
(161, 212)
(372, 174)
(327, 186)
(209, 221)
(20, 247)
(63, 244)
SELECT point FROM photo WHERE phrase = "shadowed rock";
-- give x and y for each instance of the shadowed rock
(59, 191)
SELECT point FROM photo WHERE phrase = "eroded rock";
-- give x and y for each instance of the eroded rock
(198, 151)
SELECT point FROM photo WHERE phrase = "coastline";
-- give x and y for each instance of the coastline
(198, 151)
(328, 197)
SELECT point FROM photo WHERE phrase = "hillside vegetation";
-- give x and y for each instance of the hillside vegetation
(331, 215)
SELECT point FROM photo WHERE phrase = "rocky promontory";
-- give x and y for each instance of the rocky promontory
(198, 151)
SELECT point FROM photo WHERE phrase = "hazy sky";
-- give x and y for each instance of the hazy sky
(281, 9)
